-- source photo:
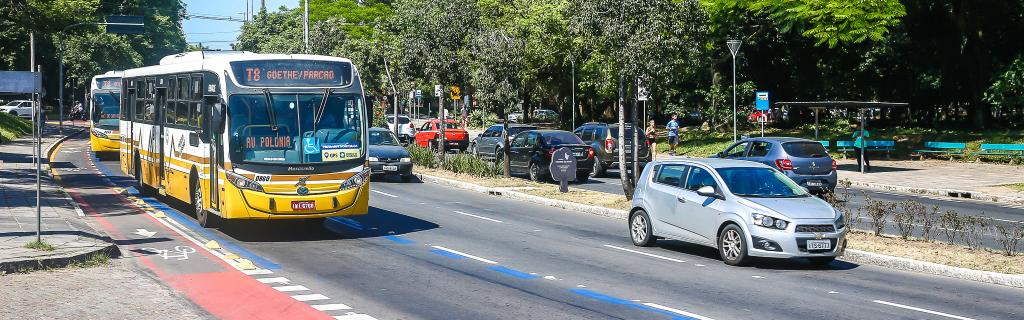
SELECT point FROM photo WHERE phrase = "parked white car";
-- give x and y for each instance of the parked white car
(21, 108)
(742, 208)
(406, 129)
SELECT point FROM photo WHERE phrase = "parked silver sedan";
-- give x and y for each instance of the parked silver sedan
(742, 208)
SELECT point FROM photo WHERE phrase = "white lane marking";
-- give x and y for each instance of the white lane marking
(478, 217)
(273, 280)
(331, 307)
(644, 253)
(291, 288)
(384, 193)
(355, 317)
(757, 277)
(922, 310)
(256, 272)
(310, 297)
(466, 255)
(688, 314)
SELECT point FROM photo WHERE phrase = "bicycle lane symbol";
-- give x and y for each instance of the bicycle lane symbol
(179, 253)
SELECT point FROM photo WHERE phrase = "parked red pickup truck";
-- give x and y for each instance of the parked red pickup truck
(456, 138)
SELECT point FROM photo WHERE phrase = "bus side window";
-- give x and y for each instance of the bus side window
(195, 118)
(182, 103)
(140, 100)
(172, 95)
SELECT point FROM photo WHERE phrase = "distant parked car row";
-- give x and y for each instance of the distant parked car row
(539, 115)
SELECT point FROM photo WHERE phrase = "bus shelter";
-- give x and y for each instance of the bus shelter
(861, 106)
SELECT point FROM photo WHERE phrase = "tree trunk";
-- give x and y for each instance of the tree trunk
(627, 184)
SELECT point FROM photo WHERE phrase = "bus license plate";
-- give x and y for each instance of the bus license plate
(819, 245)
(303, 205)
(390, 168)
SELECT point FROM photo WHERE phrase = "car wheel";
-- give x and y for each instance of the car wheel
(732, 246)
(472, 149)
(821, 261)
(204, 217)
(599, 169)
(499, 156)
(14, 113)
(582, 178)
(535, 174)
(640, 230)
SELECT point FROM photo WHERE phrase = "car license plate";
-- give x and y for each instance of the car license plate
(577, 154)
(390, 168)
(814, 183)
(819, 245)
(303, 205)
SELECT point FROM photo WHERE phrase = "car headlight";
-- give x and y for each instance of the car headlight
(99, 134)
(242, 182)
(406, 160)
(355, 181)
(840, 222)
(372, 159)
(769, 221)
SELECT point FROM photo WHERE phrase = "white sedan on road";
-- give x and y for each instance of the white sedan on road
(20, 108)
(742, 208)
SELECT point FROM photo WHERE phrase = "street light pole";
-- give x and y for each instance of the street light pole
(573, 106)
(305, 26)
(734, 47)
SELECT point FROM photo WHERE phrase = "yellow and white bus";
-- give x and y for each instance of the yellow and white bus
(240, 135)
(104, 109)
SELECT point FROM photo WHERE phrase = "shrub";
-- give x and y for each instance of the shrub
(468, 164)
(12, 127)
(1009, 237)
(422, 156)
(950, 223)
(905, 218)
(879, 210)
(973, 230)
(928, 219)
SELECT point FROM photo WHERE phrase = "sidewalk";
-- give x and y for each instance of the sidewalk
(980, 181)
(73, 240)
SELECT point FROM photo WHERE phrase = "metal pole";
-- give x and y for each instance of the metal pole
(573, 106)
(305, 26)
(734, 129)
(816, 123)
(392, 81)
(36, 133)
(60, 89)
(863, 149)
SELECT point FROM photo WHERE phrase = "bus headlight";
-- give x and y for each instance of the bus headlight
(242, 182)
(355, 181)
(99, 134)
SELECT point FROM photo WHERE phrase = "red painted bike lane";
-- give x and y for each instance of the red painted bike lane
(198, 269)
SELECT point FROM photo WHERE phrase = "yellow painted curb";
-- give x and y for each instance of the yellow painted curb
(245, 264)
(212, 245)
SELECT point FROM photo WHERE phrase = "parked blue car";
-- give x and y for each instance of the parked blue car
(805, 161)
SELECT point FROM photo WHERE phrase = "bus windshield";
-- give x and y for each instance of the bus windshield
(107, 110)
(286, 133)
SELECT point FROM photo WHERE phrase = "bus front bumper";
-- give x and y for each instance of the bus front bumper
(109, 144)
(248, 204)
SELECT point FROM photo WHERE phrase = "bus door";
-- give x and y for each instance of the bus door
(161, 107)
(198, 105)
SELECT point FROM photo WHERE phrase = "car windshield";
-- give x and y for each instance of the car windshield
(805, 149)
(401, 120)
(516, 130)
(560, 137)
(287, 132)
(107, 110)
(760, 183)
(382, 138)
(12, 103)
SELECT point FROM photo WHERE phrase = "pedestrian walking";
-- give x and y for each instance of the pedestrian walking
(652, 139)
(860, 145)
(673, 134)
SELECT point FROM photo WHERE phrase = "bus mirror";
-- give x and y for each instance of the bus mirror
(217, 118)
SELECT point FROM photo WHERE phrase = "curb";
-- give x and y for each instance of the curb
(949, 193)
(850, 255)
(898, 263)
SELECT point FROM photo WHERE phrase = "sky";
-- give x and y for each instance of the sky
(217, 34)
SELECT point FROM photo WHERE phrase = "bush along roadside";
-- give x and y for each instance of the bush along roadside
(456, 163)
(910, 217)
(12, 127)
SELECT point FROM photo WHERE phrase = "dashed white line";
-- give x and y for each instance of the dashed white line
(310, 297)
(355, 317)
(922, 310)
(290, 288)
(257, 271)
(478, 217)
(384, 193)
(331, 307)
(688, 314)
(273, 280)
(644, 253)
(466, 255)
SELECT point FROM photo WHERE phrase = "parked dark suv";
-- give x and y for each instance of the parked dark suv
(604, 139)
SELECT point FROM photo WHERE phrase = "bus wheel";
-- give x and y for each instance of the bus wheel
(205, 218)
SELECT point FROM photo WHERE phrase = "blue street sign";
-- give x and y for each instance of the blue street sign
(761, 100)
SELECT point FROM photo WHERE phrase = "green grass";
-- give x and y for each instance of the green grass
(39, 245)
(1016, 186)
(96, 259)
(12, 127)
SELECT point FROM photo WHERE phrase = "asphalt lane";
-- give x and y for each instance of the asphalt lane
(430, 252)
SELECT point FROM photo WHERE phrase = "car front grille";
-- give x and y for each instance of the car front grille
(815, 228)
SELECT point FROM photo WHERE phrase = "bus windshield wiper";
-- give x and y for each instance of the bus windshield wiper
(319, 113)
(270, 110)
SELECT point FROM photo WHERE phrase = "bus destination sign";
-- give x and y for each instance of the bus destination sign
(292, 73)
(108, 83)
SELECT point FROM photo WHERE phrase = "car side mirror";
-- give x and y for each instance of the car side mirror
(708, 191)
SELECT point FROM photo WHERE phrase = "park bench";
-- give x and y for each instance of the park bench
(950, 149)
(825, 143)
(1000, 149)
(873, 145)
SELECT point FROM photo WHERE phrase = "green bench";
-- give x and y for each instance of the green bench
(873, 145)
(1000, 149)
(825, 143)
(950, 149)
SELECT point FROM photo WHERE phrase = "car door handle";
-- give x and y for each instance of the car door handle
(681, 200)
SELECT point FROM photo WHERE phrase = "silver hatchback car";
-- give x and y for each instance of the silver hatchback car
(745, 209)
